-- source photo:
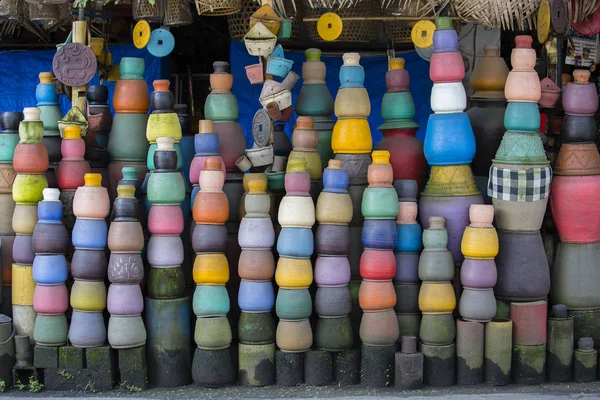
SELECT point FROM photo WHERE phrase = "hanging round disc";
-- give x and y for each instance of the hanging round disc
(559, 17)
(425, 53)
(161, 43)
(543, 21)
(141, 34)
(74, 64)
(330, 26)
(422, 34)
(261, 128)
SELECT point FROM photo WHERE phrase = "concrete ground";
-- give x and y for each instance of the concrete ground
(479, 392)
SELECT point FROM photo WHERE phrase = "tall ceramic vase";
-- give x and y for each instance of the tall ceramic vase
(30, 164)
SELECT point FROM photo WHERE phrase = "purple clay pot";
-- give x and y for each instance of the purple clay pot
(332, 240)
(125, 299)
(209, 238)
(445, 40)
(50, 239)
(407, 268)
(455, 209)
(478, 274)
(333, 301)
(87, 329)
(332, 271)
(89, 264)
(165, 250)
(23, 250)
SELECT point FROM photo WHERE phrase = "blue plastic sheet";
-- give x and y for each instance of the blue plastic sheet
(375, 69)
(19, 71)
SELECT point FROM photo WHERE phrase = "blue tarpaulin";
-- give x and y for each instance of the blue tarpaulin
(375, 69)
(19, 71)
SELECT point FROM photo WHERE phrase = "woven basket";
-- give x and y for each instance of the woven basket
(46, 14)
(177, 13)
(400, 31)
(142, 9)
(215, 8)
(238, 22)
(65, 14)
(505, 14)
(12, 9)
(353, 31)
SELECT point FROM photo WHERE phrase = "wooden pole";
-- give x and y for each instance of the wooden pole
(79, 36)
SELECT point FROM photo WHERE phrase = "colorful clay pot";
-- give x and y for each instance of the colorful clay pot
(50, 269)
(87, 329)
(379, 328)
(256, 296)
(50, 330)
(88, 296)
(333, 301)
(126, 331)
(377, 264)
(293, 273)
(449, 139)
(293, 304)
(437, 297)
(256, 265)
(332, 239)
(379, 234)
(211, 301)
(212, 333)
(437, 329)
(125, 299)
(211, 268)
(478, 274)
(376, 295)
(294, 336)
(125, 268)
(51, 299)
(89, 264)
(477, 304)
(294, 242)
(332, 271)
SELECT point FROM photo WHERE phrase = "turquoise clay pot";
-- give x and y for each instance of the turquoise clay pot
(398, 105)
(165, 188)
(293, 304)
(127, 140)
(380, 203)
(521, 148)
(50, 115)
(314, 100)
(522, 117)
(150, 157)
(210, 301)
(50, 330)
(132, 68)
(221, 107)
(8, 142)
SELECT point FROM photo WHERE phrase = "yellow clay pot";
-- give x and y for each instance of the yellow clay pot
(23, 285)
(437, 297)
(163, 125)
(88, 296)
(293, 273)
(211, 269)
(479, 243)
(27, 188)
(351, 136)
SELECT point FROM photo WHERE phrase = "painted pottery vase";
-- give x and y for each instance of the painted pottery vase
(131, 91)
(580, 97)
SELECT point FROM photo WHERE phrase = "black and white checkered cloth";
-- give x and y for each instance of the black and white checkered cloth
(523, 186)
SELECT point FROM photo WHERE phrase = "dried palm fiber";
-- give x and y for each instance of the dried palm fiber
(506, 14)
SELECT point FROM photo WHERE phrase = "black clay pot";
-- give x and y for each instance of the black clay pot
(213, 368)
(346, 367)
(221, 67)
(97, 95)
(184, 119)
(407, 295)
(209, 238)
(406, 189)
(487, 119)
(162, 102)
(166, 283)
(126, 268)
(289, 368)
(377, 365)
(89, 264)
(334, 334)
(333, 240)
(10, 120)
(282, 146)
(125, 208)
(22, 251)
(52, 144)
(318, 368)
(579, 129)
(256, 328)
(165, 160)
(50, 239)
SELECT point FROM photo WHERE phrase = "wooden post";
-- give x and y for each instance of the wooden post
(79, 36)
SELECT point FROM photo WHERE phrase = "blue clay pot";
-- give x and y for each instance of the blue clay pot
(50, 269)
(379, 234)
(186, 145)
(206, 144)
(449, 139)
(445, 40)
(279, 66)
(295, 242)
(293, 304)
(210, 301)
(195, 191)
(407, 268)
(335, 180)
(256, 296)
(408, 238)
(90, 234)
(352, 76)
(49, 211)
(87, 329)
(46, 95)
(522, 117)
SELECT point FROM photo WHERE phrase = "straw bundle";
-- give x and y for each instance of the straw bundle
(499, 13)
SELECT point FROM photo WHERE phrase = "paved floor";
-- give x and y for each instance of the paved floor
(479, 392)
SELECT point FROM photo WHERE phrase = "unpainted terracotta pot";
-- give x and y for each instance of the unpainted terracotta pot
(379, 328)
(294, 336)
(126, 236)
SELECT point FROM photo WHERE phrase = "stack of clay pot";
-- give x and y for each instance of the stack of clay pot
(407, 249)
(9, 138)
(449, 141)
(91, 206)
(305, 139)
(206, 144)
(256, 298)
(47, 102)
(477, 302)
(437, 302)
(125, 302)
(51, 297)
(212, 364)
(377, 297)
(71, 170)
(99, 119)
(30, 164)
(519, 184)
(294, 274)
(168, 343)
(487, 114)
(351, 143)
(575, 190)
(127, 144)
(399, 129)
(221, 107)
(316, 101)
(333, 301)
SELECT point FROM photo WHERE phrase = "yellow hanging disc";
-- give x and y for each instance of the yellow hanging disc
(543, 21)
(422, 34)
(329, 26)
(141, 34)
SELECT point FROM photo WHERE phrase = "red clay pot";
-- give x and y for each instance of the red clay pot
(51, 299)
(30, 158)
(377, 264)
(407, 158)
(165, 220)
(529, 322)
(446, 67)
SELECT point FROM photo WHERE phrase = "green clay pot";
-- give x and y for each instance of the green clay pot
(211, 301)
(132, 68)
(314, 100)
(334, 334)
(50, 330)
(212, 333)
(380, 203)
(221, 107)
(166, 188)
(50, 115)
(127, 140)
(293, 304)
(31, 131)
(27, 189)
(521, 148)
(324, 146)
(165, 283)
(256, 328)
(409, 325)
(437, 329)
(397, 105)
